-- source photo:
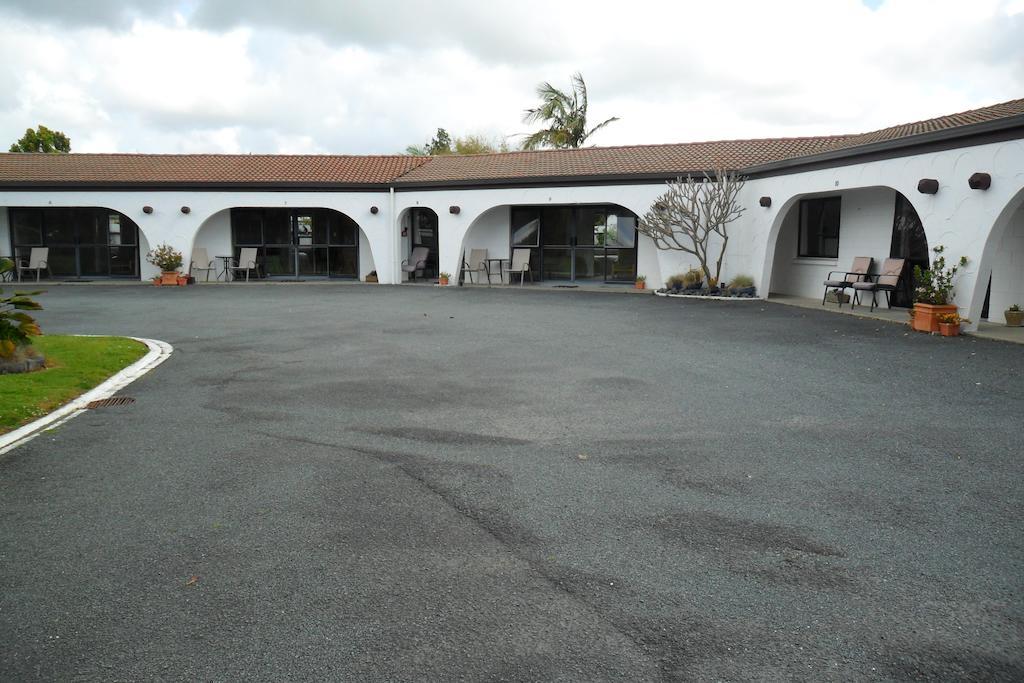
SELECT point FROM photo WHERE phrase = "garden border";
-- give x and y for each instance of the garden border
(159, 351)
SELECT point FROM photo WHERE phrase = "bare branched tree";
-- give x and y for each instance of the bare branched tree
(691, 212)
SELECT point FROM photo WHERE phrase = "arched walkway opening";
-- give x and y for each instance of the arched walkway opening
(418, 230)
(592, 243)
(817, 233)
(82, 243)
(291, 243)
(1002, 266)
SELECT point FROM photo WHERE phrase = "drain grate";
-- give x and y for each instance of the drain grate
(112, 401)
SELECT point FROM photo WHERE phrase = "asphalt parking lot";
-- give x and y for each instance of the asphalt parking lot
(408, 483)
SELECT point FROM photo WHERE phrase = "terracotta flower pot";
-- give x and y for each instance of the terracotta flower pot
(949, 329)
(169, 277)
(926, 316)
(443, 281)
(640, 284)
(1013, 318)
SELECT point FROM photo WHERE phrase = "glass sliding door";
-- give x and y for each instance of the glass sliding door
(315, 243)
(87, 242)
(578, 243)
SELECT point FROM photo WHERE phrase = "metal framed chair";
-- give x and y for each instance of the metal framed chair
(201, 262)
(887, 281)
(416, 262)
(520, 264)
(841, 280)
(36, 261)
(476, 263)
(247, 261)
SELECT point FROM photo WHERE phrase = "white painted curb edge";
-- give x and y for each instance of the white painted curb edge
(159, 351)
(700, 297)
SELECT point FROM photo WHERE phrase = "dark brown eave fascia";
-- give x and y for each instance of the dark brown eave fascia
(999, 130)
(544, 181)
(192, 186)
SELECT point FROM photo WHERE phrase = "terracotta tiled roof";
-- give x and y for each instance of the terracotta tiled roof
(660, 160)
(328, 170)
(200, 169)
(983, 115)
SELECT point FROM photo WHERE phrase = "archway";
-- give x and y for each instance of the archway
(419, 230)
(82, 242)
(815, 233)
(291, 243)
(568, 242)
(1002, 264)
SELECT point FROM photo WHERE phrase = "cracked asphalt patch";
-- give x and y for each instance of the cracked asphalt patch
(383, 483)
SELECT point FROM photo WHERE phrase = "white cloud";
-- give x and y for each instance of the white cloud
(260, 76)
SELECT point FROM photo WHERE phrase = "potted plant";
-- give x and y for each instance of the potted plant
(933, 295)
(1014, 316)
(372, 277)
(641, 282)
(442, 279)
(168, 260)
(949, 324)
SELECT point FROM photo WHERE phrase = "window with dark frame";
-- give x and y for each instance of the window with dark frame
(819, 228)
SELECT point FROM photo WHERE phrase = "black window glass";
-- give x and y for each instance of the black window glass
(277, 226)
(525, 227)
(26, 226)
(819, 227)
(248, 226)
(92, 226)
(59, 226)
(556, 225)
(343, 230)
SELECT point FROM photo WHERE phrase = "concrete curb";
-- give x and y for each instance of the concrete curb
(159, 351)
(699, 297)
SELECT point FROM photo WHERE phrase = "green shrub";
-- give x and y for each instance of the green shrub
(935, 285)
(16, 327)
(165, 257)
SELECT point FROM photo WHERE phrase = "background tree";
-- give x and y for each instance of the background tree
(442, 144)
(564, 113)
(43, 140)
(691, 213)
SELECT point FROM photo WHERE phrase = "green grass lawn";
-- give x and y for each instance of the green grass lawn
(73, 366)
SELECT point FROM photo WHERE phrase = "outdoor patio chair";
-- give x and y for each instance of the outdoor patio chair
(200, 262)
(36, 261)
(476, 263)
(841, 280)
(246, 261)
(520, 264)
(416, 262)
(887, 281)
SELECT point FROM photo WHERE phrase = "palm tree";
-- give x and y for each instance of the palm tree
(565, 115)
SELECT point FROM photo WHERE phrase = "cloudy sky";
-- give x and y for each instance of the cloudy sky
(348, 76)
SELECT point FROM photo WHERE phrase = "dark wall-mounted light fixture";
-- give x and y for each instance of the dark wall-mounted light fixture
(186, 210)
(765, 201)
(980, 181)
(374, 210)
(454, 210)
(927, 185)
(147, 209)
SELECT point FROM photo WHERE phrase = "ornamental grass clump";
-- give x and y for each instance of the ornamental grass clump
(741, 282)
(16, 327)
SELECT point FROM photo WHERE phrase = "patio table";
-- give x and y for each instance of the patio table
(487, 268)
(226, 265)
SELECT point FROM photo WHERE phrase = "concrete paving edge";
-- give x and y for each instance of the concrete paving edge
(159, 351)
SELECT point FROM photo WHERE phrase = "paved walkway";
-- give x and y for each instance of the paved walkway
(380, 483)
